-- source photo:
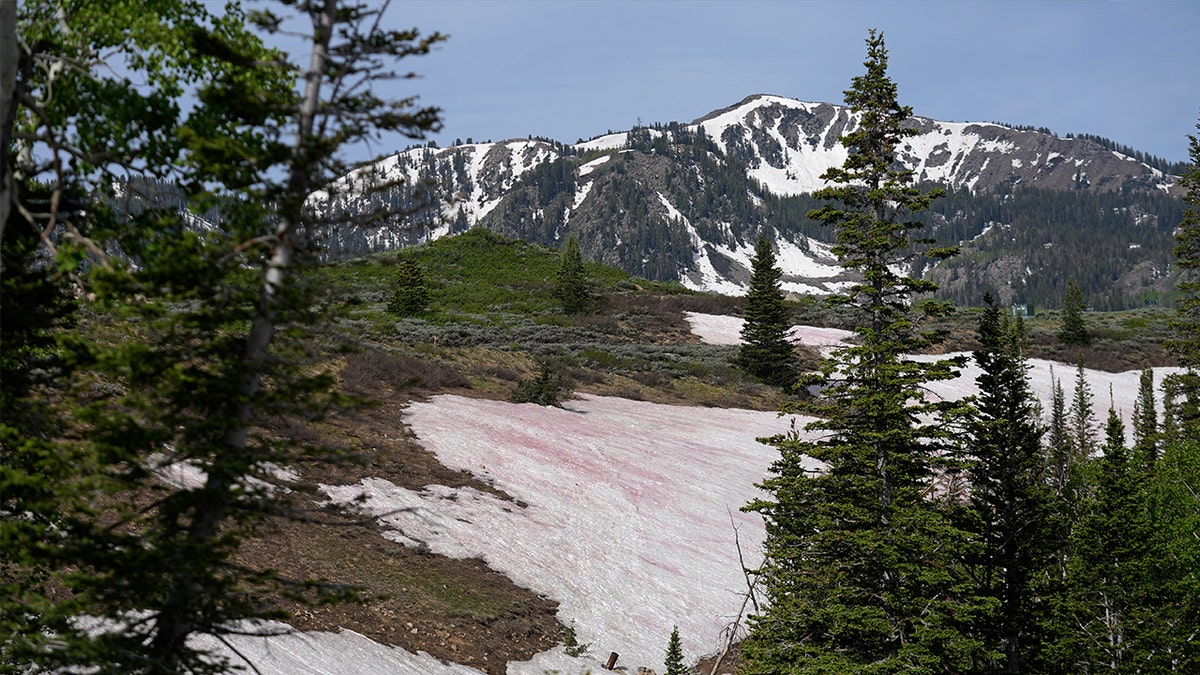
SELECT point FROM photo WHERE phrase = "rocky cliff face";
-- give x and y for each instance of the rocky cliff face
(687, 201)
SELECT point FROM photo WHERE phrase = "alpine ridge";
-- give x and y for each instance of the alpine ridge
(687, 202)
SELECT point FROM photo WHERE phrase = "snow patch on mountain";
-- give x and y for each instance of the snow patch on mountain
(626, 536)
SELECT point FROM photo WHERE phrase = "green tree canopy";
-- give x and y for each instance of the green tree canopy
(859, 556)
(410, 294)
(1073, 330)
(572, 287)
(1010, 509)
(200, 336)
(765, 352)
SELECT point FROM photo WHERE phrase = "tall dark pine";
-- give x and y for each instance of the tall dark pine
(1059, 452)
(572, 288)
(1114, 608)
(224, 317)
(859, 557)
(410, 296)
(1186, 324)
(766, 352)
(1073, 330)
(1010, 501)
(1083, 420)
(1145, 420)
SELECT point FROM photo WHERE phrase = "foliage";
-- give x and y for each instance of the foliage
(1186, 339)
(1010, 506)
(1074, 330)
(1145, 421)
(766, 352)
(674, 657)
(1109, 604)
(1081, 416)
(571, 285)
(411, 295)
(475, 276)
(859, 567)
(196, 336)
(548, 388)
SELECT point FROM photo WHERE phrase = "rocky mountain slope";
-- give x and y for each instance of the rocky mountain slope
(687, 201)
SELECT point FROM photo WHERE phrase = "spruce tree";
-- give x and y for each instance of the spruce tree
(572, 287)
(1010, 510)
(765, 352)
(1145, 420)
(859, 564)
(1059, 451)
(1186, 324)
(1109, 612)
(206, 332)
(1082, 417)
(674, 658)
(1176, 504)
(410, 295)
(1073, 330)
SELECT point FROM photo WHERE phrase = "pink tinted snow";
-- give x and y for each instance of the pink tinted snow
(631, 510)
(716, 329)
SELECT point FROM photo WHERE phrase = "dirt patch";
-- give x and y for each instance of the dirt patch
(456, 610)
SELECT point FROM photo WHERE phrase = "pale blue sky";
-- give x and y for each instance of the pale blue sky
(570, 69)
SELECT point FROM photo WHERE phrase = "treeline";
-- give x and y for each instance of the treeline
(1052, 235)
(1166, 166)
(1153, 161)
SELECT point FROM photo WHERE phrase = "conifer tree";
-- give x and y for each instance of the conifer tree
(572, 287)
(1186, 323)
(410, 297)
(1110, 605)
(1059, 450)
(674, 658)
(221, 315)
(1145, 420)
(765, 351)
(1176, 504)
(1010, 501)
(1073, 330)
(1082, 417)
(859, 557)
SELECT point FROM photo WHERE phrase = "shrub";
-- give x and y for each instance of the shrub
(548, 388)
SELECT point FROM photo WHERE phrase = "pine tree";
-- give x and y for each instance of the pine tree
(1145, 420)
(410, 297)
(1082, 418)
(223, 317)
(1073, 330)
(674, 659)
(766, 352)
(1176, 503)
(572, 287)
(1059, 450)
(1010, 501)
(860, 557)
(1186, 323)
(1110, 605)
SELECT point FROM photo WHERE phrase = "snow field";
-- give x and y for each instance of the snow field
(725, 330)
(631, 519)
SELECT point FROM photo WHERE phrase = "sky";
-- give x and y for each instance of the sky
(576, 69)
